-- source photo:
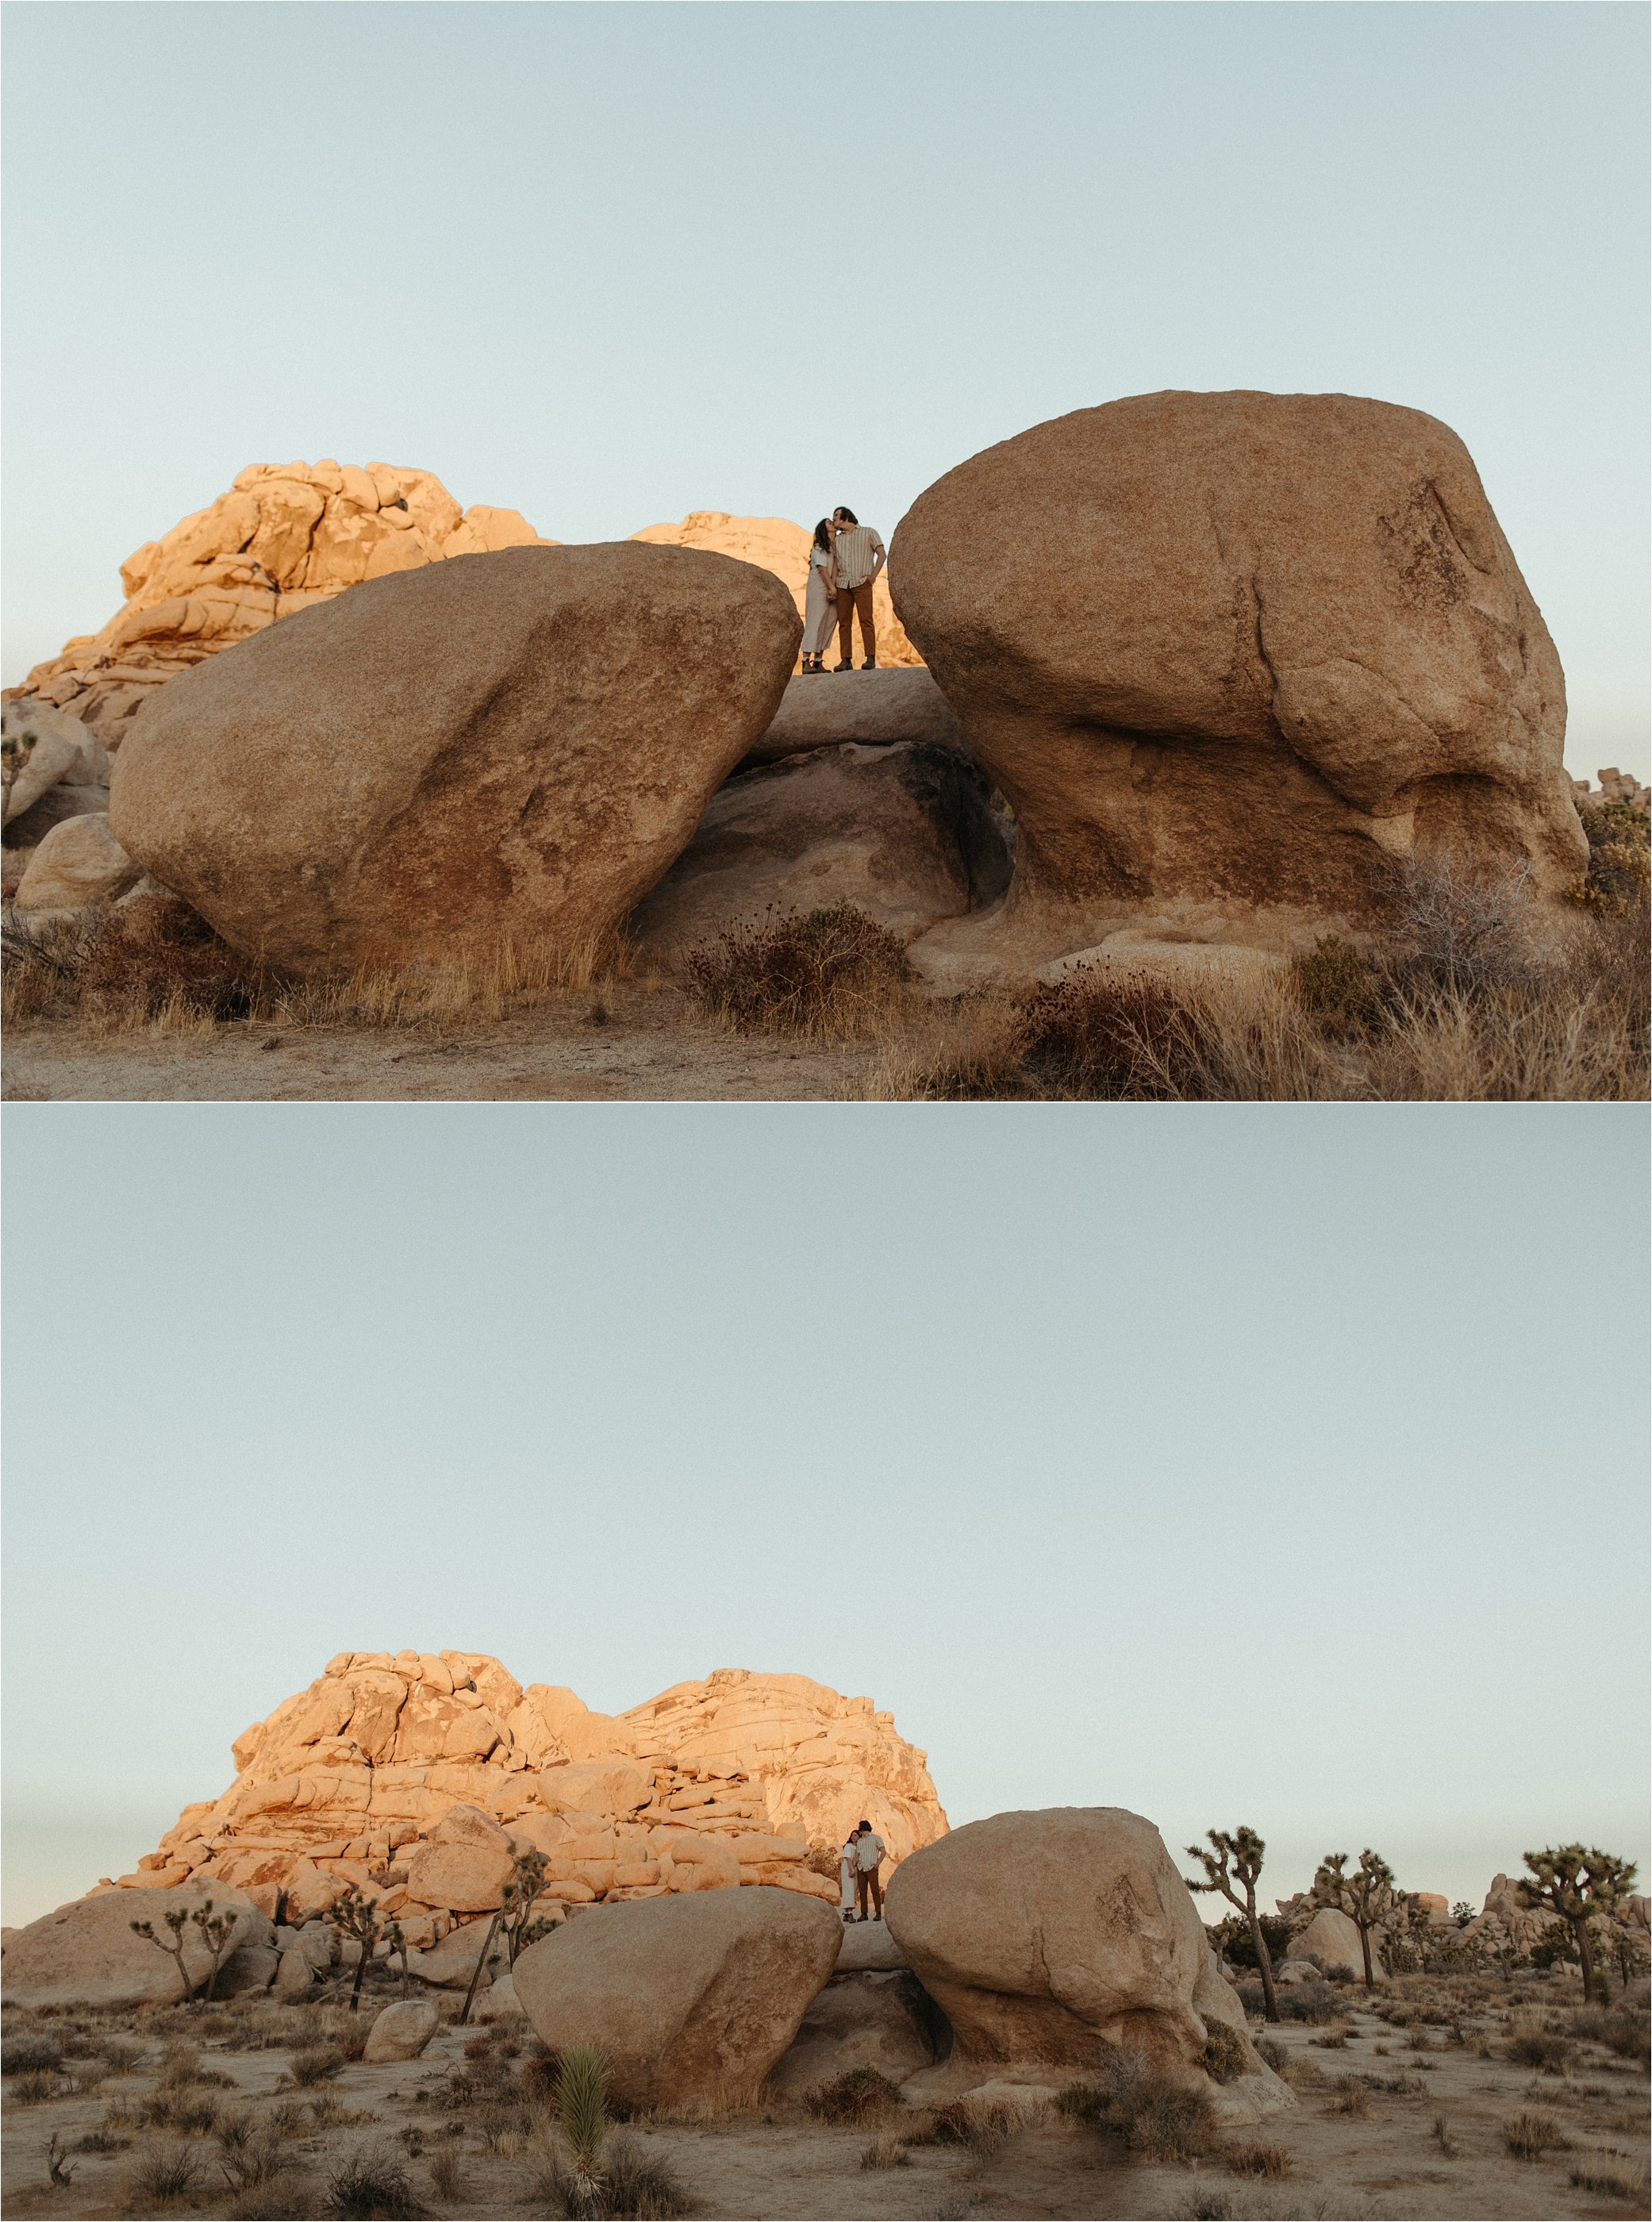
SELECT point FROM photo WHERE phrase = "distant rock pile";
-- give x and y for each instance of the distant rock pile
(285, 537)
(422, 1765)
(1620, 786)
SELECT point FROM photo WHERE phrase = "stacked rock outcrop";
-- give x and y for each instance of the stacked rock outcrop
(774, 544)
(285, 537)
(411, 1774)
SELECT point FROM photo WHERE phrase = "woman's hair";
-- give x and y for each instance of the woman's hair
(823, 533)
(848, 515)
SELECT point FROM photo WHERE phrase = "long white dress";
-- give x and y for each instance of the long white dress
(819, 614)
(846, 1864)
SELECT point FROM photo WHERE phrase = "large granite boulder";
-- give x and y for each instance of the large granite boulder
(506, 748)
(881, 2019)
(872, 706)
(78, 862)
(1331, 1942)
(1053, 1941)
(693, 1998)
(1232, 657)
(85, 1953)
(907, 834)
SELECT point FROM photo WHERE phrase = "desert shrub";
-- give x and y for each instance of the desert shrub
(1531, 2133)
(448, 2177)
(1339, 985)
(1315, 2003)
(1154, 2114)
(1259, 2159)
(862, 2095)
(1467, 932)
(1273, 2054)
(254, 2165)
(165, 2172)
(1239, 1947)
(796, 974)
(638, 2186)
(886, 2152)
(1351, 2096)
(974, 2123)
(279, 2201)
(21, 2054)
(1618, 877)
(180, 2111)
(1534, 2048)
(36, 2086)
(371, 2186)
(351, 2039)
(101, 2139)
(1630, 2185)
(537, 2079)
(315, 2064)
(1100, 1037)
(1227, 2053)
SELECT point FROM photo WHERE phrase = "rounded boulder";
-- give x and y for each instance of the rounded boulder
(692, 1998)
(499, 749)
(1232, 658)
(86, 1953)
(1053, 1939)
(402, 2032)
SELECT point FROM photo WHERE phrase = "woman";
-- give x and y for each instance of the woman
(849, 1858)
(820, 611)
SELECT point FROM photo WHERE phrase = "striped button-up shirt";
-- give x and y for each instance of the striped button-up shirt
(855, 558)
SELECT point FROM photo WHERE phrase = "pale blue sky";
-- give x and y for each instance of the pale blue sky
(1281, 1465)
(609, 264)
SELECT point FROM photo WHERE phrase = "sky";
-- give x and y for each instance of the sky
(610, 264)
(1281, 1465)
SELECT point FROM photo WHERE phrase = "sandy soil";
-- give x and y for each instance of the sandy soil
(649, 1047)
(1392, 2161)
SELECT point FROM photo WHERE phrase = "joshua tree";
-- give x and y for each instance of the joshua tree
(1577, 1884)
(175, 1922)
(1367, 1896)
(215, 1931)
(517, 1900)
(581, 2114)
(1236, 1857)
(397, 1942)
(354, 1914)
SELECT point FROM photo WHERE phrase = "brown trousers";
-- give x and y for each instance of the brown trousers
(850, 599)
(867, 1882)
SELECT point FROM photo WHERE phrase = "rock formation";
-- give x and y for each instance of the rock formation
(407, 1774)
(509, 747)
(1232, 657)
(877, 707)
(1331, 1941)
(86, 1953)
(78, 863)
(693, 1999)
(776, 544)
(908, 833)
(285, 537)
(1051, 1941)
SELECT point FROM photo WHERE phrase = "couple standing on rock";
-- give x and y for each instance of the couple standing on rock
(844, 561)
(858, 1866)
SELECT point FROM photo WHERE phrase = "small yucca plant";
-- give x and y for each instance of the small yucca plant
(583, 2117)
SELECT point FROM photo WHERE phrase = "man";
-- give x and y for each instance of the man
(859, 554)
(869, 1857)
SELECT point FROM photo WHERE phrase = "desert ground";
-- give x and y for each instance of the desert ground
(1423, 2106)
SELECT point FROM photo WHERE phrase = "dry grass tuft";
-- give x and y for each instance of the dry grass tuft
(1631, 2184)
(886, 2152)
(826, 973)
(1531, 2133)
(1259, 2159)
(372, 2186)
(1157, 2117)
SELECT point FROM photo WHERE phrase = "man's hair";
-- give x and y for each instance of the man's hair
(867, 1826)
(851, 518)
(823, 533)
